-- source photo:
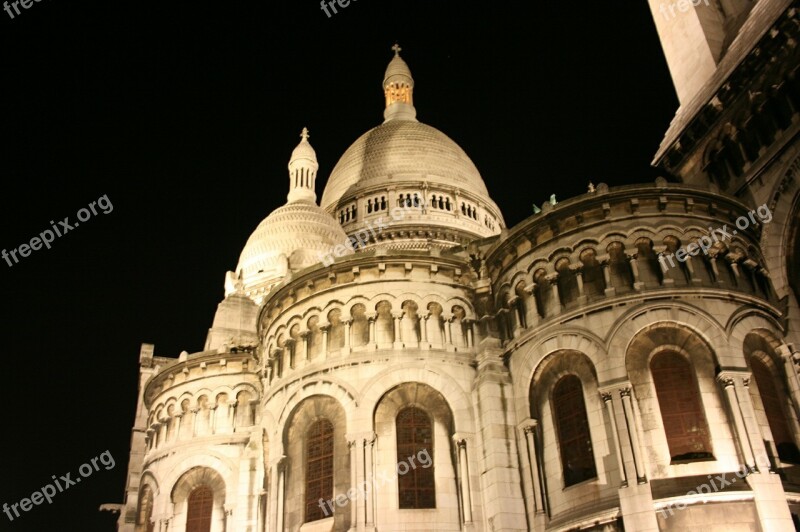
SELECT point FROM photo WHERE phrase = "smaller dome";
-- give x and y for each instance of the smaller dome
(296, 236)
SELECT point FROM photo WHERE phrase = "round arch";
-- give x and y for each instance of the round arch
(388, 379)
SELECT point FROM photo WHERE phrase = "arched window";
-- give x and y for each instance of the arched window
(574, 439)
(319, 468)
(416, 484)
(201, 502)
(781, 435)
(681, 410)
(144, 515)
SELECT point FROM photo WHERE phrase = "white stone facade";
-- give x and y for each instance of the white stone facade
(481, 328)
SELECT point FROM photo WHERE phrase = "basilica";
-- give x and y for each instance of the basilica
(394, 357)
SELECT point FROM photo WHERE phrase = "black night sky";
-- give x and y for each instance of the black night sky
(185, 115)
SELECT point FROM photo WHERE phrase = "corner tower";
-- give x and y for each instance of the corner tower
(696, 35)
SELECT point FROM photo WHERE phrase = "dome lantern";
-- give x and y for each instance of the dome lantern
(303, 168)
(398, 87)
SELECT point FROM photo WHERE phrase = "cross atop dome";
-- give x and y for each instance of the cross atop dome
(396, 49)
(304, 134)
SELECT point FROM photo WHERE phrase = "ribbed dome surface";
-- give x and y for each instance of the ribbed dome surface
(300, 231)
(401, 149)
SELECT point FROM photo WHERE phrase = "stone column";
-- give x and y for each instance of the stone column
(281, 496)
(275, 360)
(578, 270)
(726, 379)
(346, 348)
(448, 338)
(633, 430)
(532, 310)
(391, 198)
(178, 422)
(277, 491)
(162, 430)
(228, 517)
(735, 267)
(194, 421)
(372, 343)
(288, 351)
(767, 287)
(750, 268)
(398, 340)
(693, 279)
(514, 306)
(768, 493)
(212, 419)
(353, 442)
(325, 328)
(464, 483)
(609, 404)
(261, 523)
(469, 324)
(423, 331)
(369, 457)
(635, 498)
(632, 260)
(605, 264)
(553, 280)
(712, 259)
(232, 403)
(769, 457)
(304, 348)
(529, 429)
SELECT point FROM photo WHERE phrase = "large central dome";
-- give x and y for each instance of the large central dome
(404, 163)
(402, 150)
